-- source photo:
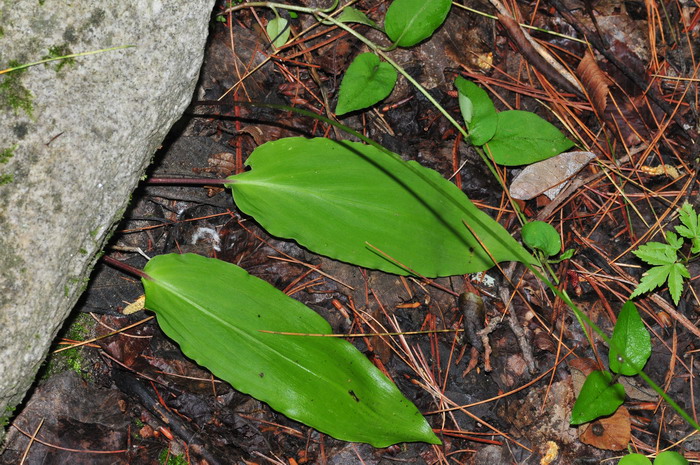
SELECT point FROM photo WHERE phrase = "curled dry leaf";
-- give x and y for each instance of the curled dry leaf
(609, 433)
(548, 176)
(595, 81)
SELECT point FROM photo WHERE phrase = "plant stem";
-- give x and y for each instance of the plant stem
(126, 268)
(190, 181)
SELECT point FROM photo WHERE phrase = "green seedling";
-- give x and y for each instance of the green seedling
(409, 22)
(369, 80)
(630, 349)
(366, 82)
(667, 266)
(278, 30)
(541, 236)
(664, 458)
(510, 137)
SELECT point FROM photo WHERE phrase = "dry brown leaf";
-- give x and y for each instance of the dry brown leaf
(610, 433)
(548, 176)
(595, 81)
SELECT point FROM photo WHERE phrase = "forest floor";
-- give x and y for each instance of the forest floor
(131, 396)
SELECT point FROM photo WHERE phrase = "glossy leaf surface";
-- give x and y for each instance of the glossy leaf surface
(278, 29)
(542, 236)
(597, 398)
(367, 81)
(216, 311)
(634, 459)
(522, 138)
(670, 458)
(477, 110)
(631, 337)
(341, 198)
(408, 22)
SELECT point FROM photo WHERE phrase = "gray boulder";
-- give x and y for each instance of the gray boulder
(75, 137)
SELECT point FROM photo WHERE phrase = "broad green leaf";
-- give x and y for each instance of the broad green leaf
(522, 138)
(542, 236)
(347, 200)
(353, 15)
(631, 337)
(408, 22)
(670, 458)
(367, 81)
(477, 110)
(597, 398)
(278, 30)
(657, 253)
(634, 459)
(216, 312)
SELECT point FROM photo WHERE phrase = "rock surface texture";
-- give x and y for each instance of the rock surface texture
(75, 137)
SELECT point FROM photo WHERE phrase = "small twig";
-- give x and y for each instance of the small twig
(190, 181)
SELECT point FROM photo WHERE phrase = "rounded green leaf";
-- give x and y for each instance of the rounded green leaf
(477, 110)
(632, 339)
(216, 312)
(522, 137)
(634, 459)
(358, 204)
(278, 30)
(408, 22)
(541, 236)
(598, 398)
(670, 458)
(367, 81)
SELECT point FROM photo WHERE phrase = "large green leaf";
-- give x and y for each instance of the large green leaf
(631, 337)
(340, 198)
(216, 311)
(634, 459)
(522, 138)
(477, 110)
(598, 397)
(367, 81)
(408, 22)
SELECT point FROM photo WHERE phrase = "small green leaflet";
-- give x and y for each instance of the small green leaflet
(367, 81)
(663, 458)
(690, 228)
(634, 459)
(477, 110)
(542, 236)
(278, 30)
(353, 15)
(670, 458)
(361, 205)
(216, 312)
(632, 338)
(597, 398)
(408, 22)
(666, 267)
(522, 138)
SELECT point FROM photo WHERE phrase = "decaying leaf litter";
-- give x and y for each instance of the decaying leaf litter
(645, 166)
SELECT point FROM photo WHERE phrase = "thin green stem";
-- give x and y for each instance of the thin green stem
(527, 26)
(64, 57)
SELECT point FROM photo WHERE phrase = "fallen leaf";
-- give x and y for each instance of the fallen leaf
(548, 176)
(609, 433)
(594, 81)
